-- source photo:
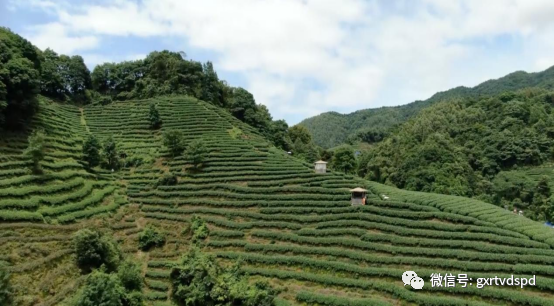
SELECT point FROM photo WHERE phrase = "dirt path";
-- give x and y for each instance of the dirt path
(83, 120)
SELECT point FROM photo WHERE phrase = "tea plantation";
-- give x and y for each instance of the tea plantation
(287, 224)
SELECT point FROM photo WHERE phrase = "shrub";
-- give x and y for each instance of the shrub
(199, 280)
(199, 229)
(101, 289)
(5, 287)
(174, 142)
(196, 152)
(94, 250)
(91, 151)
(134, 298)
(150, 237)
(154, 117)
(130, 275)
(138, 160)
(105, 100)
(169, 179)
(109, 152)
(35, 150)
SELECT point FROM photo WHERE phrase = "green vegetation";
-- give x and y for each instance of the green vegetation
(173, 140)
(260, 215)
(150, 237)
(130, 275)
(19, 78)
(299, 140)
(199, 280)
(94, 250)
(154, 117)
(106, 289)
(199, 229)
(196, 153)
(369, 125)
(344, 160)
(169, 179)
(26, 71)
(35, 151)
(110, 154)
(253, 202)
(466, 147)
(91, 151)
(5, 286)
(101, 289)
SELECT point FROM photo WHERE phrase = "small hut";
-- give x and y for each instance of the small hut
(358, 196)
(320, 166)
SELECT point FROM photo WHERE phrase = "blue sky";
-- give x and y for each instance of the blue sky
(304, 57)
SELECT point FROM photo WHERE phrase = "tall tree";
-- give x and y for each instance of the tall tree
(301, 133)
(173, 141)
(241, 102)
(52, 84)
(91, 151)
(211, 87)
(344, 160)
(76, 76)
(196, 152)
(111, 157)
(154, 117)
(259, 118)
(94, 249)
(278, 134)
(19, 79)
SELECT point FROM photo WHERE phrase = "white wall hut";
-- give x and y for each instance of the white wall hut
(358, 196)
(320, 166)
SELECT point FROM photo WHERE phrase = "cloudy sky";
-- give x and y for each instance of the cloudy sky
(304, 57)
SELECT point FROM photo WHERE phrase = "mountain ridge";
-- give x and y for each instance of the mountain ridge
(330, 129)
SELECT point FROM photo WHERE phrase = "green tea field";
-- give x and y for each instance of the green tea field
(288, 225)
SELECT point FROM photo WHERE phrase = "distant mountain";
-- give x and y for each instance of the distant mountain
(331, 129)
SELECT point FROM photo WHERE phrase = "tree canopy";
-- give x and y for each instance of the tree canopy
(196, 152)
(199, 280)
(461, 147)
(94, 249)
(91, 151)
(20, 66)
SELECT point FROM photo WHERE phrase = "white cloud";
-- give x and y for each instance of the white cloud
(56, 37)
(310, 56)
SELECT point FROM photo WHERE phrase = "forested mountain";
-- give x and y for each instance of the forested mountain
(332, 129)
(465, 146)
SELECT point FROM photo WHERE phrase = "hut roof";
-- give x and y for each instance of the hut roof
(358, 189)
(320, 162)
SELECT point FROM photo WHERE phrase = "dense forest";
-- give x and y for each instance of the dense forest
(467, 147)
(332, 129)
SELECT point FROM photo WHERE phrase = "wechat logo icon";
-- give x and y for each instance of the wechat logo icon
(411, 278)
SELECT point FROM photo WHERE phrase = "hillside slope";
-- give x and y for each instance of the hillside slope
(332, 129)
(291, 226)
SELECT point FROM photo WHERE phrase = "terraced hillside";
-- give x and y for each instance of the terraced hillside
(291, 226)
